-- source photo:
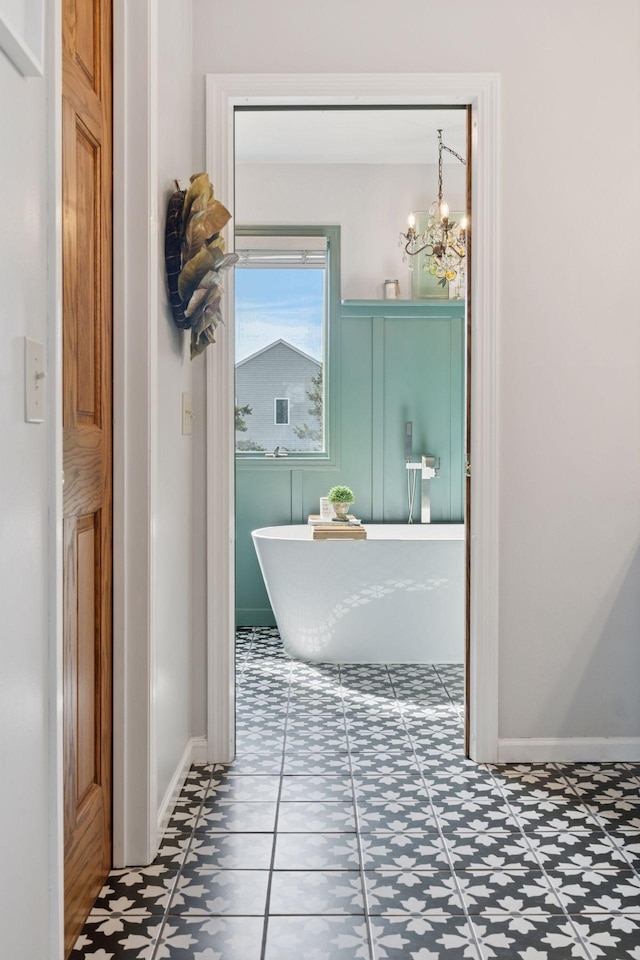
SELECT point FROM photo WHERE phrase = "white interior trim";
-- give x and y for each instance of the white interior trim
(135, 324)
(482, 91)
(199, 750)
(55, 804)
(25, 49)
(165, 809)
(570, 750)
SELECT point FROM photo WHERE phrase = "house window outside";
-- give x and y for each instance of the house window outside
(284, 286)
(281, 411)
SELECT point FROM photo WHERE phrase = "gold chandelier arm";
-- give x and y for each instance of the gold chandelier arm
(414, 253)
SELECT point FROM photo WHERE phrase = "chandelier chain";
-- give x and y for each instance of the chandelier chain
(442, 146)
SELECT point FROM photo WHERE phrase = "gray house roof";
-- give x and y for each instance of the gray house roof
(275, 343)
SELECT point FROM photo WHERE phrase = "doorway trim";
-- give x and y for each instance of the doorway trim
(481, 92)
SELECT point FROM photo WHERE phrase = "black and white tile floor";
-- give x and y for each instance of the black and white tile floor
(351, 826)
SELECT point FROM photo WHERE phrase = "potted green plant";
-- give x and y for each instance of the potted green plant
(341, 497)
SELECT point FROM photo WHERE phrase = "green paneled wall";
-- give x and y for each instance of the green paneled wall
(398, 361)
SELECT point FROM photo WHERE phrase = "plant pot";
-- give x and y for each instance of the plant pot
(341, 510)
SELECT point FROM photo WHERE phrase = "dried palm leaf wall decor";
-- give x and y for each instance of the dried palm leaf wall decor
(195, 259)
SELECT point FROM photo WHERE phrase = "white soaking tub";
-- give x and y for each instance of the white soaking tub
(396, 597)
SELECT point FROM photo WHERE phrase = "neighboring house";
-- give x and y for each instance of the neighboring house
(275, 382)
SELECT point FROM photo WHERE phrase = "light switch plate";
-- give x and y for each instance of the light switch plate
(34, 374)
(187, 415)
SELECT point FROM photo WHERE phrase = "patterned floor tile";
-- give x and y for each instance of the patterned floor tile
(229, 816)
(545, 857)
(423, 938)
(299, 698)
(317, 713)
(492, 816)
(528, 938)
(316, 788)
(211, 938)
(490, 851)
(317, 938)
(255, 764)
(458, 788)
(320, 725)
(578, 821)
(258, 787)
(592, 891)
(196, 782)
(610, 937)
(413, 892)
(507, 892)
(220, 892)
(395, 763)
(317, 851)
(628, 842)
(395, 817)
(336, 816)
(315, 892)
(446, 778)
(316, 763)
(145, 891)
(404, 851)
(398, 740)
(302, 742)
(127, 938)
(587, 850)
(184, 815)
(460, 806)
(410, 789)
(257, 742)
(231, 851)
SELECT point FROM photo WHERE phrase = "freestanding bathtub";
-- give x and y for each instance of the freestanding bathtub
(397, 597)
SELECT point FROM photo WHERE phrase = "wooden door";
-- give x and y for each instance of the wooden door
(87, 418)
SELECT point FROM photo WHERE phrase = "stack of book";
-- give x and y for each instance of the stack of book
(349, 529)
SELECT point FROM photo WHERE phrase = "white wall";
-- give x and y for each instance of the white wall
(570, 353)
(24, 709)
(369, 201)
(175, 451)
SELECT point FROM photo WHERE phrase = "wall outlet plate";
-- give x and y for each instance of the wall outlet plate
(187, 415)
(34, 374)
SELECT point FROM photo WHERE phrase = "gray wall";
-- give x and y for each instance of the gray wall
(24, 675)
(175, 517)
(569, 417)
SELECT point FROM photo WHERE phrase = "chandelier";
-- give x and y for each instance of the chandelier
(444, 241)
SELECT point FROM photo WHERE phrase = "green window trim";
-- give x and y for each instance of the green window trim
(331, 367)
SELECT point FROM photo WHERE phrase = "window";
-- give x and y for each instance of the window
(286, 291)
(282, 410)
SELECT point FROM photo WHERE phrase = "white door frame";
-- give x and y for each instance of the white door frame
(482, 93)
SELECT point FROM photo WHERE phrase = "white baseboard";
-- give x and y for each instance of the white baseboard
(198, 750)
(570, 750)
(194, 752)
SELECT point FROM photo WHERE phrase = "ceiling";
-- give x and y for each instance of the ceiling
(348, 136)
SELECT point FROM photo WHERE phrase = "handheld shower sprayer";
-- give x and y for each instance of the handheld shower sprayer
(408, 441)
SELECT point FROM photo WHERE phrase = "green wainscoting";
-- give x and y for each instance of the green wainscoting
(399, 361)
